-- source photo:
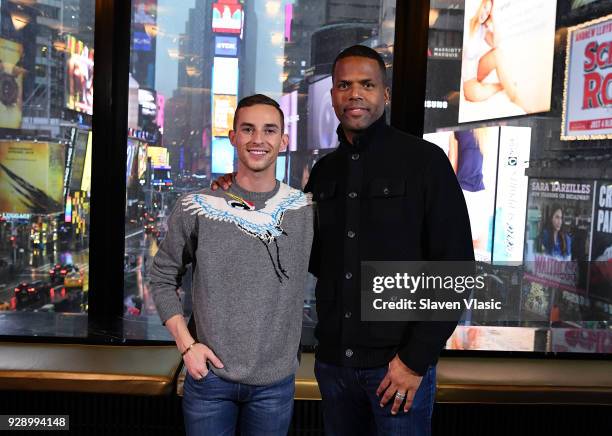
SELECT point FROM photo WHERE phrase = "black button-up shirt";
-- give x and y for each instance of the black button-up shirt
(388, 196)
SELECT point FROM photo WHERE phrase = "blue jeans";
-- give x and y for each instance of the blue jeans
(351, 407)
(213, 406)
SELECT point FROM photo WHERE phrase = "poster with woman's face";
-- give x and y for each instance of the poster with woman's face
(507, 62)
(558, 232)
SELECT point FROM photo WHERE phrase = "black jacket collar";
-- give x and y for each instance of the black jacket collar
(363, 139)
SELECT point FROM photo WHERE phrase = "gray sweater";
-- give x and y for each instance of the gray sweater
(249, 252)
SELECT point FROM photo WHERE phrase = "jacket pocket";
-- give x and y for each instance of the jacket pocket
(387, 197)
(324, 195)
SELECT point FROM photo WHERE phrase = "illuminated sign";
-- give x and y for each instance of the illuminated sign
(226, 46)
(160, 157)
(289, 106)
(161, 103)
(31, 177)
(86, 179)
(225, 76)
(222, 156)
(80, 70)
(588, 81)
(11, 83)
(224, 107)
(510, 88)
(142, 41)
(227, 18)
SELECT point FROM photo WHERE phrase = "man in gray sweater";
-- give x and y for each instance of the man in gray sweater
(247, 310)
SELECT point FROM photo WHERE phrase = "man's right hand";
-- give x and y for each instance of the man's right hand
(196, 358)
(223, 182)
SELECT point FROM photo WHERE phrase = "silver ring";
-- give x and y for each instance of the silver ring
(400, 396)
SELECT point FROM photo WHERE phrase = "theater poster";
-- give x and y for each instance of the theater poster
(558, 233)
(507, 58)
(587, 95)
(11, 84)
(600, 278)
(31, 177)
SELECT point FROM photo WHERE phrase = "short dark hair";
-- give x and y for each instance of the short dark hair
(361, 51)
(255, 99)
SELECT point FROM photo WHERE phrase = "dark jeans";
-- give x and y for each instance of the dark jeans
(351, 407)
(213, 406)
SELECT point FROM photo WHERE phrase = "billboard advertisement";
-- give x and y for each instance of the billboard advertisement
(581, 340)
(160, 157)
(86, 179)
(160, 102)
(142, 159)
(142, 41)
(222, 156)
(147, 108)
(289, 106)
(79, 82)
(507, 63)
(227, 18)
(132, 156)
(144, 11)
(588, 81)
(225, 76)
(31, 177)
(600, 276)
(226, 46)
(322, 120)
(11, 83)
(558, 232)
(224, 107)
(473, 156)
(511, 199)
(492, 338)
(78, 160)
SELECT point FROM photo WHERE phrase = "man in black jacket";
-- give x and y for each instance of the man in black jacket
(382, 195)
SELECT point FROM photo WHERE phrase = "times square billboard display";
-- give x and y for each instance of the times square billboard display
(11, 83)
(568, 250)
(225, 76)
(31, 177)
(500, 39)
(79, 81)
(587, 95)
(226, 46)
(227, 17)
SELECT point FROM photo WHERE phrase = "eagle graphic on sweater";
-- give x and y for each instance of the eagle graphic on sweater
(264, 224)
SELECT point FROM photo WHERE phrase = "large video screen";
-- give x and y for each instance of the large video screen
(79, 76)
(508, 48)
